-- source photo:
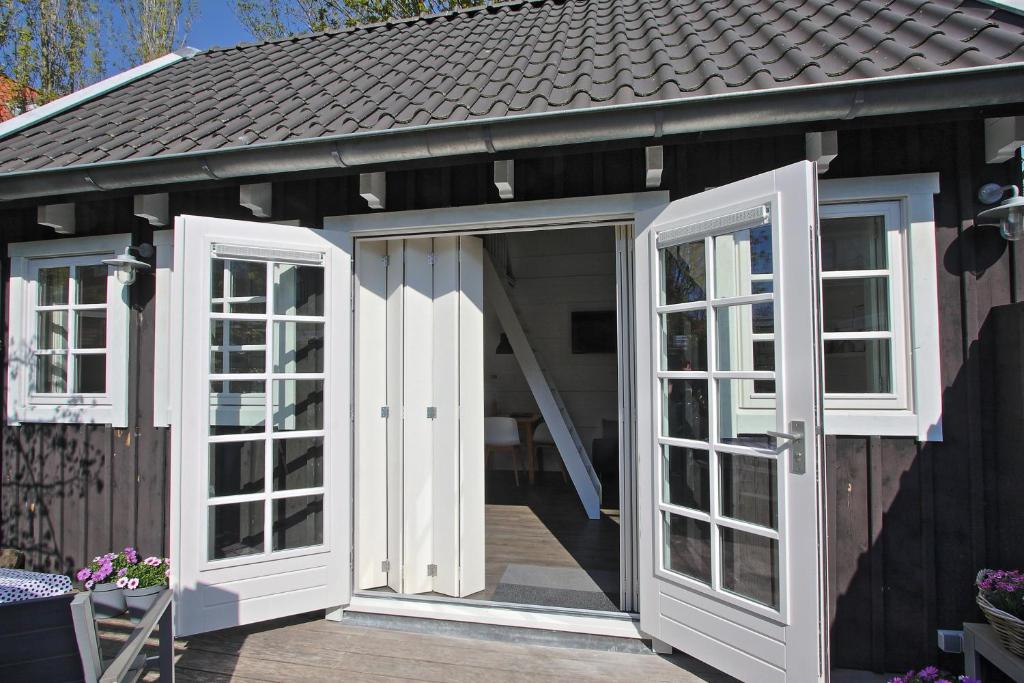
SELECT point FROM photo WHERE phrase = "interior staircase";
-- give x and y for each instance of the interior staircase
(552, 407)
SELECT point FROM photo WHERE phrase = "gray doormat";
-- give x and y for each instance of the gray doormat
(527, 584)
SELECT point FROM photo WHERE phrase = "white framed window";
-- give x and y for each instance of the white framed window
(67, 346)
(879, 311)
(880, 306)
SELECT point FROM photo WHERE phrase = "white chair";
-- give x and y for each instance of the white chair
(542, 439)
(501, 434)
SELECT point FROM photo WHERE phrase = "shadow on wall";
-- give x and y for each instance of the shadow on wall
(912, 523)
(57, 490)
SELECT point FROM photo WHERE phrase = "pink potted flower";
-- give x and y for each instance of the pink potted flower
(144, 581)
(100, 577)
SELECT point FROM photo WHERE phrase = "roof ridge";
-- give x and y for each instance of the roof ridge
(388, 23)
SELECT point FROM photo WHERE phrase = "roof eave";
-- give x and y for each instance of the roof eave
(978, 87)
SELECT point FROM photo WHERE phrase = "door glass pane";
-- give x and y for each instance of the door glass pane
(298, 404)
(52, 329)
(91, 284)
(298, 463)
(684, 341)
(298, 522)
(855, 243)
(857, 366)
(685, 471)
(298, 347)
(684, 407)
(737, 325)
(90, 373)
(298, 290)
(51, 373)
(739, 256)
(236, 529)
(687, 546)
(741, 420)
(91, 329)
(855, 304)
(237, 407)
(238, 286)
(236, 468)
(748, 489)
(226, 336)
(53, 286)
(750, 566)
(683, 273)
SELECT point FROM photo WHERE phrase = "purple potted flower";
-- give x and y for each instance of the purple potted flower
(932, 674)
(100, 577)
(144, 582)
(1001, 599)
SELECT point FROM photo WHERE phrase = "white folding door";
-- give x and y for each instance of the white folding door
(419, 422)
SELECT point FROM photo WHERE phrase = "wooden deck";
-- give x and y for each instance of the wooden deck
(310, 648)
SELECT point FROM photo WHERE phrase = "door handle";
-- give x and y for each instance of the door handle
(797, 450)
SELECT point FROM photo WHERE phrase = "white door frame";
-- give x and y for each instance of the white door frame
(600, 210)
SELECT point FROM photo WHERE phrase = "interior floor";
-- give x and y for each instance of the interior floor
(543, 550)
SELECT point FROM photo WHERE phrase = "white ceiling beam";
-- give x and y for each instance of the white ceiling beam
(654, 159)
(373, 187)
(822, 147)
(153, 207)
(1003, 137)
(258, 198)
(505, 178)
(60, 217)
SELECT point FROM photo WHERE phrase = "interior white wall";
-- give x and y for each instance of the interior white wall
(556, 272)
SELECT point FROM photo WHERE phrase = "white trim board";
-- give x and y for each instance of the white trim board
(163, 242)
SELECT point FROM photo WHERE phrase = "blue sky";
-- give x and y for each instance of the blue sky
(215, 25)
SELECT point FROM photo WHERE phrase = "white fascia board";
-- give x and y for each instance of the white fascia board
(39, 114)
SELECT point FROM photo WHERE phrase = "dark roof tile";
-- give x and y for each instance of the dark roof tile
(512, 58)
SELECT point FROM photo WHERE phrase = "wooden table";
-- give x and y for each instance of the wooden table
(527, 422)
(981, 641)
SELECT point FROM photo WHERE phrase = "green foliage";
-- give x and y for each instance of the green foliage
(268, 19)
(51, 46)
(153, 27)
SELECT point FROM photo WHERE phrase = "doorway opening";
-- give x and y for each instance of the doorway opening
(494, 418)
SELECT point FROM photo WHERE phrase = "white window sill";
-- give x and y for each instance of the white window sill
(880, 423)
(65, 413)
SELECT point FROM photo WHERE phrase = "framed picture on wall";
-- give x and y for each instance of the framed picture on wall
(593, 332)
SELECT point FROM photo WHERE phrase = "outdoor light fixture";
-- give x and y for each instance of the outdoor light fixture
(130, 261)
(1008, 215)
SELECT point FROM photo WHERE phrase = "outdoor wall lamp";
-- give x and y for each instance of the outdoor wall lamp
(128, 263)
(1008, 215)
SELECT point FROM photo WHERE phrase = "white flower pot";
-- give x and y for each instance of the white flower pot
(140, 600)
(107, 600)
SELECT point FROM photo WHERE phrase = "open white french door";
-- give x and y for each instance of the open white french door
(261, 429)
(729, 420)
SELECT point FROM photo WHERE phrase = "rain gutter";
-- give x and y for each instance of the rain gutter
(892, 95)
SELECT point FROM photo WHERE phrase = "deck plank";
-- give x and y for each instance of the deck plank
(314, 650)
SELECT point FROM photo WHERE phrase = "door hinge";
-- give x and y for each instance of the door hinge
(386, 259)
(431, 413)
(430, 259)
(431, 570)
(385, 566)
(352, 412)
(384, 411)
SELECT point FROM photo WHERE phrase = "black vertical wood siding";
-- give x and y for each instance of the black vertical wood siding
(909, 523)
